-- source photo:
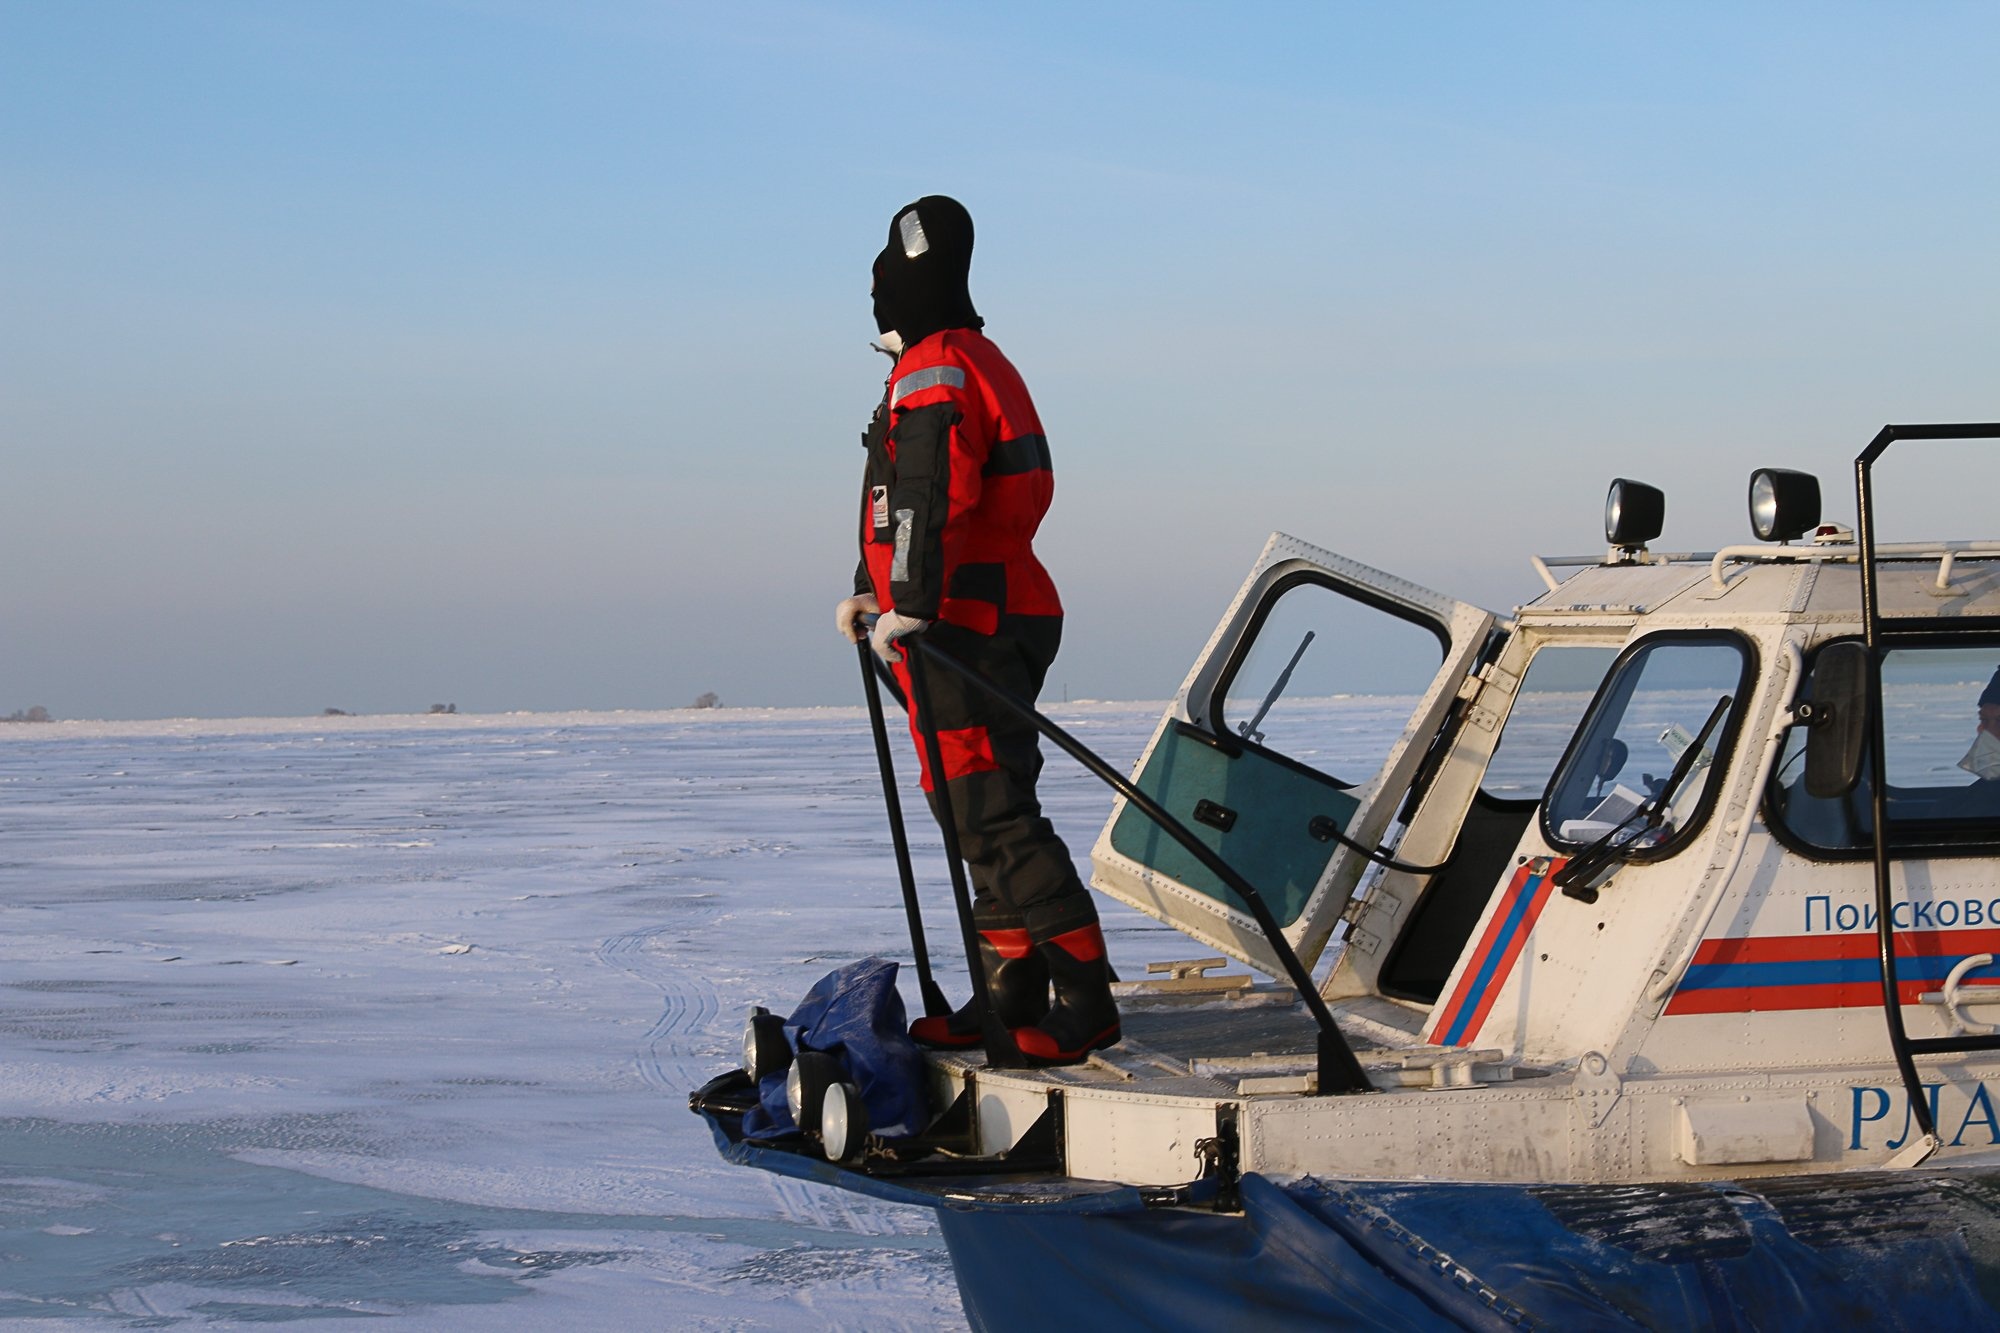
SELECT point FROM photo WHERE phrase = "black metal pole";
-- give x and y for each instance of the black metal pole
(934, 1001)
(1876, 637)
(1878, 802)
(1339, 1071)
(1001, 1051)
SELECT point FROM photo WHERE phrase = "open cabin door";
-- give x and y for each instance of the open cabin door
(1267, 749)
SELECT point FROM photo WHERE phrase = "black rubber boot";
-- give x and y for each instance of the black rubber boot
(1016, 979)
(1084, 1017)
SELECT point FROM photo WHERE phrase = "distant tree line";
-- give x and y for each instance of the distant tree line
(35, 714)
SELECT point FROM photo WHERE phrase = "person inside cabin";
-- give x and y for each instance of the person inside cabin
(957, 481)
(1983, 759)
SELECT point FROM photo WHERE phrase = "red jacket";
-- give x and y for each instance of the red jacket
(957, 482)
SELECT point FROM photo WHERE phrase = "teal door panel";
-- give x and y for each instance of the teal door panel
(1269, 843)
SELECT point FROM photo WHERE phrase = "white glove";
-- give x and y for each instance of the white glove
(891, 626)
(847, 616)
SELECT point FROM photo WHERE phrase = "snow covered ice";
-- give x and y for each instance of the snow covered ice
(313, 1018)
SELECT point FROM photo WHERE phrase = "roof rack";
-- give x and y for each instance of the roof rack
(1844, 551)
(1947, 554)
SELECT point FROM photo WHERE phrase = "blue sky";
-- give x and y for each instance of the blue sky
(515, 355)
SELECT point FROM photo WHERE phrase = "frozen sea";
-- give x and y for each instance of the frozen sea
(395, 1018)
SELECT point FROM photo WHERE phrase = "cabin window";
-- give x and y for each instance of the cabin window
(1558, 686)
(1942, 753)
(1325, 677)
(1657, 735)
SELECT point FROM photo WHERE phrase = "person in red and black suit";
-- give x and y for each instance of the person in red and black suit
(958, 479)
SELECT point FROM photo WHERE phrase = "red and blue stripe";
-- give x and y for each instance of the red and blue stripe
(1507, 932)
(1754, 973)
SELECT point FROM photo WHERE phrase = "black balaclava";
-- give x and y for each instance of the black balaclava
(1991, 694)
(920, 276)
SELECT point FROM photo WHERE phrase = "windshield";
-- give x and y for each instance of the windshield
(1643, 727)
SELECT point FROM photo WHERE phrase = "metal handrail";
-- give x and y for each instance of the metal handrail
(1339, 1070)
(1945, 553)
(1818, 553)
(935, 1003)
(1900, 1042)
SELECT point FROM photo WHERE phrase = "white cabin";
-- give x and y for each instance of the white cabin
(1706, 1004)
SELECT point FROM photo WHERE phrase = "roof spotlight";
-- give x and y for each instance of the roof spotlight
(1784, 505)
(1634, 513)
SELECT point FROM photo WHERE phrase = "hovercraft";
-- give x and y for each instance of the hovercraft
(1657, 953)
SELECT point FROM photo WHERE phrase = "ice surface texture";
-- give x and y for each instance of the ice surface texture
(312, 1018)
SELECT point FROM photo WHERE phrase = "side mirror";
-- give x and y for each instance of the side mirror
(1838, 720)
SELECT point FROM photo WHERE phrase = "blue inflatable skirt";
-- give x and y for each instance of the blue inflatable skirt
(1913, 1250)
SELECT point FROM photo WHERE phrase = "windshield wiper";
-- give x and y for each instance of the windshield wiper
(1574, 878)
(1248, 730)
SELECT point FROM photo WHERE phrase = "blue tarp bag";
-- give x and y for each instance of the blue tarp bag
(855, 1015)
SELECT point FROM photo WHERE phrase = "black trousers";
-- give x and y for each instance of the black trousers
(1020, 868)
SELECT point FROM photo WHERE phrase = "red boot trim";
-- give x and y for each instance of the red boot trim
(1085, 943)
(934, 1031)
(1012, 943)
(1040, 1048)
